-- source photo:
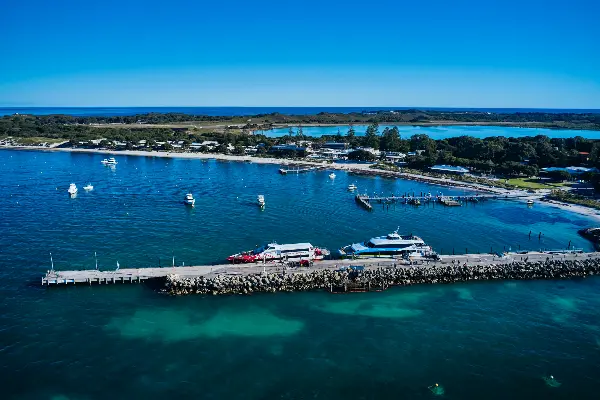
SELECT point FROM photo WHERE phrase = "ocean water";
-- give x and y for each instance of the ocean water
(482, 340)
(230, 111)
(442, 132)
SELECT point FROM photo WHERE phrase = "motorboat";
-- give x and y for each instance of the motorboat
(88, 187)
(189, 199)
(332, 176)
(530, 202)
(260, 199)
(390, 245)
(109, 161)
(72, 189)
(352, 187)
(280, 252)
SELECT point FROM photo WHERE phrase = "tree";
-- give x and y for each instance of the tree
(559, 175)
(390, 140)
(361, 155)
(167, 146)
(372, 136)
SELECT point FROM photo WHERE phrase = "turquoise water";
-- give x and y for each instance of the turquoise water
(488, 340)
(443, 132)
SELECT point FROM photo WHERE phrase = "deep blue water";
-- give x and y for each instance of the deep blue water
(488, 340)
(229, 111)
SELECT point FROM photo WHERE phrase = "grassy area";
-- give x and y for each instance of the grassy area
(29, 141)
(529, 183)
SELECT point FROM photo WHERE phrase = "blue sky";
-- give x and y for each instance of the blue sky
(303, 53)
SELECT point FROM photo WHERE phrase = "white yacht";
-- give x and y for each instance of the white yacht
(88, 187)
(189, 199)
(274, 252)
(332, 176)
(109, 161)
(72, 189)
(352, 187)
(390, 245)
(261, 200)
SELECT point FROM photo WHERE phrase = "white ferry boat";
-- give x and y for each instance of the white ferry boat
(109, 161)
(387, 246)
(72, 189)
(189, 199)
(276, 252)
(260, 199)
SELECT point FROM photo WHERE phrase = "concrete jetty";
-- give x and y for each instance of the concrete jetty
(137, 275)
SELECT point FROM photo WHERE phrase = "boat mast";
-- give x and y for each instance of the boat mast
(96, 258)
(51, 262)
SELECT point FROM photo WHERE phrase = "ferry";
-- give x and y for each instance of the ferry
(109, 161)
(72, 189)
(390, 245)
(280, 252)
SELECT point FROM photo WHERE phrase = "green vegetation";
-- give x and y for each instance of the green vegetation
(568, 197)
(530, 183)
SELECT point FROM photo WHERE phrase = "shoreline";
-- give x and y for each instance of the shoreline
(354, 168)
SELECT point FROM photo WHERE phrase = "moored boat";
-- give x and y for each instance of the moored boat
(72, 189)
(352, 187)
(189, 199)
(390, 245)
(88, 187)
(530, 202)
(280, 252)
(109, 161)
(332, 176)
(260, 199)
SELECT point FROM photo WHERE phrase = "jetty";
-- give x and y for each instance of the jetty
(139, 275)
(366, 200)
(297, 170)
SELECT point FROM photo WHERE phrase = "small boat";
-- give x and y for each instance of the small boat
(332, 176)
(109, 161)
(72, 189)
(88, 187)
(189, 199)
(352, 187)
(260, 200)
(529, 202)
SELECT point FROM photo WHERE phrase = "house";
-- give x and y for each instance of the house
(394, 157)
(449, 169)
(335, 146)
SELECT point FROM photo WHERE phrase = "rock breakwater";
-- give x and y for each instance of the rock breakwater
(379, 277)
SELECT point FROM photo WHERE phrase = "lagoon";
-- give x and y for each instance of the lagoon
(441, 132)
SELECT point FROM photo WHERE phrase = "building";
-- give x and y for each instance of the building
(449, 169)
(394, 157)
(289, 150)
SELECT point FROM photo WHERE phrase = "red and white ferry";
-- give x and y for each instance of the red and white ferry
(276, 252)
